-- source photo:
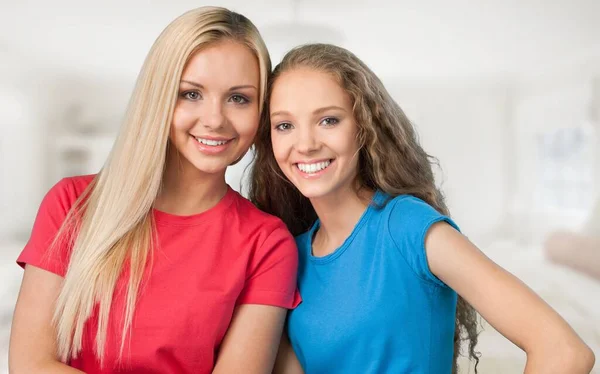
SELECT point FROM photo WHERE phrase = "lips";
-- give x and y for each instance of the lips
(212, 145)
(313, 167)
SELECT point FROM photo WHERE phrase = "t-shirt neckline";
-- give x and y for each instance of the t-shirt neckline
(168, 219)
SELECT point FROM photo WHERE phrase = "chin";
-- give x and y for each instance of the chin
(314, 192)
(211, 167)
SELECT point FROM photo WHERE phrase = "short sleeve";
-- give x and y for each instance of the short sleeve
(271, 275)
(53, 210)
(409, 221)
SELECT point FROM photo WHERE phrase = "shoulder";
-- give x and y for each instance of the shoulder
(409, 211)
(254, 220)
(51, 216)
(72, 186)
(66, 191)
(253, 215)
(409, 204)
(410, 220)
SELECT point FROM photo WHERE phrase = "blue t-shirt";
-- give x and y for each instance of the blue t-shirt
(373, 305)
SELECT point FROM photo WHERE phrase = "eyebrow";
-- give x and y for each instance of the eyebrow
(317, 111)
(234, 88)
(331, 107)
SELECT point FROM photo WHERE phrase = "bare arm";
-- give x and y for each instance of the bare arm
(287, 362)
(251, 342)
(507, 304)
(32, 340)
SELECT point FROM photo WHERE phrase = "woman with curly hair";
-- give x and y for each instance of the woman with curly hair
(389, 284)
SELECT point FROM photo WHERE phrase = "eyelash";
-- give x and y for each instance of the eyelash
(278, 127)
(242, 99)
(186, 94)
(333, 119)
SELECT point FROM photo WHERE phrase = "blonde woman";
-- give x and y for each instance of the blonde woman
(155, 265)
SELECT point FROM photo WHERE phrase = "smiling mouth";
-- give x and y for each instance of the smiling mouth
(313, 168)
(211, 142)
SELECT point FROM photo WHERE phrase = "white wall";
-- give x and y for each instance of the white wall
(21, 153)
(41, 107)
(463, 124)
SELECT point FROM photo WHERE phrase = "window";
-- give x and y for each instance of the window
(565, 180)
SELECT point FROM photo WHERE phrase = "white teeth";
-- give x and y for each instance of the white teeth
(211, 142)
(313, 168)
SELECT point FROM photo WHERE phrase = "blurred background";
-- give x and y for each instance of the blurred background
(505, 93)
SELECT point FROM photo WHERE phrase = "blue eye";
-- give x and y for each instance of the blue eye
(239, 99)
(191, 95)
(284, 126)
(330, 121)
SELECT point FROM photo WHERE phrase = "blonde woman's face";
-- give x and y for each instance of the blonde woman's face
(217, 112)
(313, 132)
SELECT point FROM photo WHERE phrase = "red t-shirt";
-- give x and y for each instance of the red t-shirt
(204, 265)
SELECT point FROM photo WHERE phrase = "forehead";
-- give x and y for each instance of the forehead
(307, 89)
(224, 63)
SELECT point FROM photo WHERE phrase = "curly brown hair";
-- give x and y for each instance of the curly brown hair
(390, 158)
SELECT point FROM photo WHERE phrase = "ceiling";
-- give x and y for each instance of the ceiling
(405, 39)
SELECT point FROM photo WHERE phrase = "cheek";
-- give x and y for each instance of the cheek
(349, 144)
(183, 118)
(353, 154)
(278, 146)
(246, 123)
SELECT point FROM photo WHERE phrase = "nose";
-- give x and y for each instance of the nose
(306, 142)
(212, 116)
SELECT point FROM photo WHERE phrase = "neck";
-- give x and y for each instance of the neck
(186, 190)
(338, 214)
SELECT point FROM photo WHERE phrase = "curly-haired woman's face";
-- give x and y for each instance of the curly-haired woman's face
(313, 132)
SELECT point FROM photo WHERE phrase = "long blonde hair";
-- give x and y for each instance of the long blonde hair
(390, 158)
(111, 223)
